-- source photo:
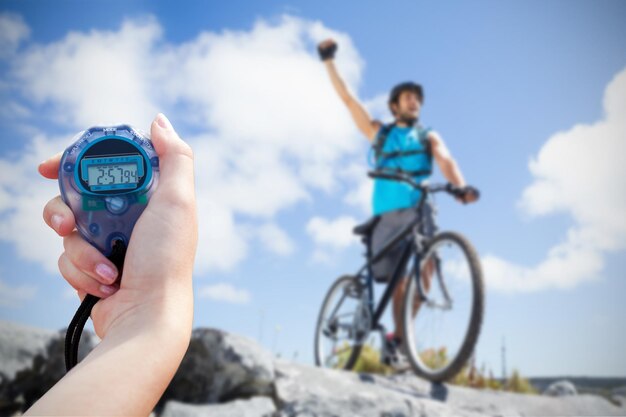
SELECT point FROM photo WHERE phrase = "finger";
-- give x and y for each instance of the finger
(83, 282)
(176, 180)
(50, 167)
(89, 260)
(59, 217)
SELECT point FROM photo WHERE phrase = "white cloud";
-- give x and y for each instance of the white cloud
(378, 108)
(13, 31)
(99, 77)
(23, 194)
(362, 187)
(335, 233)
(11, 296)
(275, 239)
(580, 172)
(275, 130)
(224, 292)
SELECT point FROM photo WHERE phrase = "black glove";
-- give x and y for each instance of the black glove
(467, 191)
(327, 52)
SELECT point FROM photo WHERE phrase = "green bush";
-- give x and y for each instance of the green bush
(469, 376)
(517, 383)
(369, 362)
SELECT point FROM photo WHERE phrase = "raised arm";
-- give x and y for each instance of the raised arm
(360, 116)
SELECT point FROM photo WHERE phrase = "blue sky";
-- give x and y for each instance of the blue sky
(529, 96)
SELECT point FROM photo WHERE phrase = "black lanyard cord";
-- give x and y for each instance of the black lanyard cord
(75, 329)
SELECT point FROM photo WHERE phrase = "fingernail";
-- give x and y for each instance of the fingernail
(163, 121)
(106, 272)
(56, 221)
(108, 289)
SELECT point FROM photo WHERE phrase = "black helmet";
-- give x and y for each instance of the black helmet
(402, 87)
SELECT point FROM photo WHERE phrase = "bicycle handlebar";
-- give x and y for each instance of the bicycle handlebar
(460, 192)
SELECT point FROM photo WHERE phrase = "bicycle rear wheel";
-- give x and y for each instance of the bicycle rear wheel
(342, 325)
(440, 331)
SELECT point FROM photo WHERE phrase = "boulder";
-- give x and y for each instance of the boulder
(254, 407)
(561, 389)
(237, 373)
(303, 391)
(19, 345)
(46, 368)
(306, 391)
(218, 367)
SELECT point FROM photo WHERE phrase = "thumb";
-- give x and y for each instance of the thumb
(176, 182)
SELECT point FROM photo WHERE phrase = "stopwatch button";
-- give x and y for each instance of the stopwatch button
(116, 205)
(94, 228)
(68, 167)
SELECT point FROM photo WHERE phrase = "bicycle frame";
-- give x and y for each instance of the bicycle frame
(365, 272)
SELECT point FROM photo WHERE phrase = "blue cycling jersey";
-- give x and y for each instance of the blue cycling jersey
(394, 195)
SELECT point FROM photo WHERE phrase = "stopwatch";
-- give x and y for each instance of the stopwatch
(106, 177)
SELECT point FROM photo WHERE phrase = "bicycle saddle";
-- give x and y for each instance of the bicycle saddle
(366, 228)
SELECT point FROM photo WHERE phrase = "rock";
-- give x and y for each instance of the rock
(218, 367)
(307, 391)
(19, 345)
(304, 391)
(46, 368)
(618, 395)
(561, 389)
(254, 407)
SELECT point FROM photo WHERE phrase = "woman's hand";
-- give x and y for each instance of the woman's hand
(145, 320)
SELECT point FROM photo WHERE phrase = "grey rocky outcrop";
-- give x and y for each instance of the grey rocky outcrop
(37, 369)
(18, 346)
(219, 366)
(254, 407)
(561, 389)
(228, 375)
(304, 391)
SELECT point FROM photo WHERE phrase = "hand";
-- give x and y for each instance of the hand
(145, 324)
(160, 256)
(327, 49)
(470, 195)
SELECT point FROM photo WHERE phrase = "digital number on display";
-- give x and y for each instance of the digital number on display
(112, 173)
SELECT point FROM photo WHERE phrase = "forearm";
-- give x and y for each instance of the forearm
(137, 359)
(452, 173)
(338, 82)
(360, 116)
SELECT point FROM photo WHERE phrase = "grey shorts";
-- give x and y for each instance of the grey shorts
(388, 225)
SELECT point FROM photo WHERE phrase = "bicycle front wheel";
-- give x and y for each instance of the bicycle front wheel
(443, 308)
(342, 325)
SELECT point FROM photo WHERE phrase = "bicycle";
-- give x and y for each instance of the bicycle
(451, 261)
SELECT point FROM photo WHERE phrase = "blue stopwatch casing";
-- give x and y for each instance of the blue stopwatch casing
(107, 177)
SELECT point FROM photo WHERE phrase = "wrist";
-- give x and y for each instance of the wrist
(164, 311)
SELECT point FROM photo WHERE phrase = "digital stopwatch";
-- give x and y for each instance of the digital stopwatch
(106, 177)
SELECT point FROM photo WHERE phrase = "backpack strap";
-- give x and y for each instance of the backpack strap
(381, 138)
(423, 138)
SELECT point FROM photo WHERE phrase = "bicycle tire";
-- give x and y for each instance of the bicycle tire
(456, 363)
(341, 282)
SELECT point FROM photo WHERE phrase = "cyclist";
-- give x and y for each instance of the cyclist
(403, 146)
